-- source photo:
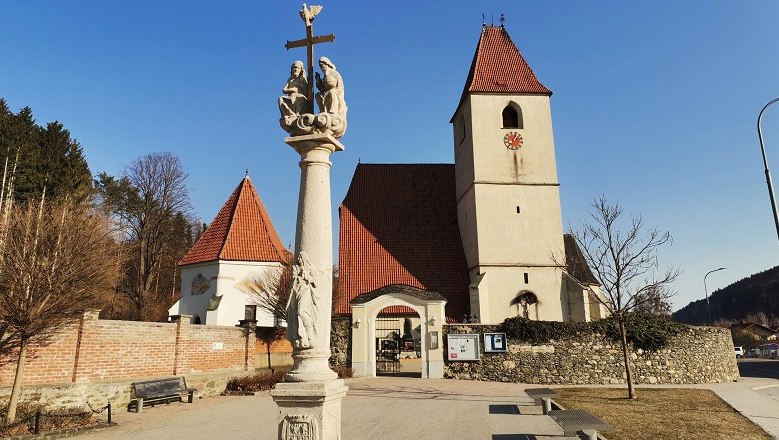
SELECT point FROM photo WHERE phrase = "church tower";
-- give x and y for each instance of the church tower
(508, 200)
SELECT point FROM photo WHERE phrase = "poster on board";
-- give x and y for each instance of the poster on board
(462, 347)
(495, 343)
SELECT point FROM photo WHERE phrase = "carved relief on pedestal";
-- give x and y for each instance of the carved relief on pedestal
(302, 427)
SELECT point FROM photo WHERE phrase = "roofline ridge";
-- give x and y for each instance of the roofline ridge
(407, 163)
(231, 217)
(261, 207)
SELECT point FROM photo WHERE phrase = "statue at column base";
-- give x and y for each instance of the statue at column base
(333, 124)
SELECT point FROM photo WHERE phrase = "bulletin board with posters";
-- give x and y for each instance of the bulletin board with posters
(463, 347)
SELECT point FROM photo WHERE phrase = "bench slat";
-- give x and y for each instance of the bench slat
(578, 419)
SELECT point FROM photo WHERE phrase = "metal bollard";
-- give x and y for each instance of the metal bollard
(109, 412)
(37, 421)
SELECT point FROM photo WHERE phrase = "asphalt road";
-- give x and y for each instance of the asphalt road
(762, 368)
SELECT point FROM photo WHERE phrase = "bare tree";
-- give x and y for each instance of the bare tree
(623, 259)
(654, 302)
(270, 290)
(150, 203)
(53, 262)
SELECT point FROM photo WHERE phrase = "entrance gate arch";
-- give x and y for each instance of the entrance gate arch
(365, 311)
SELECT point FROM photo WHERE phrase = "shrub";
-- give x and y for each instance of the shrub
(343, 372)
(256, 382)
(647, 332)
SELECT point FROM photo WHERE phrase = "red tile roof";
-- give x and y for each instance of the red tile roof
(399, 226)
(498, 67)
(241, 231)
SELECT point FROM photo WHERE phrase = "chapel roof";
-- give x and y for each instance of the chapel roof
(399, 226)
(241, 231)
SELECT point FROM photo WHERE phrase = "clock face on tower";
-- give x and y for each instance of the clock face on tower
(512, 140)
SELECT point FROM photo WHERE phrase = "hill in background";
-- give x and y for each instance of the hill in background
(755, 298)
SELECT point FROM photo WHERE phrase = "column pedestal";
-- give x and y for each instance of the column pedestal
(309, 410)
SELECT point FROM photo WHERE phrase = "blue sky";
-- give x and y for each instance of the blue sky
(655, 103)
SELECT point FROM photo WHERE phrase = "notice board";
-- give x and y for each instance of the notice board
(464, 347)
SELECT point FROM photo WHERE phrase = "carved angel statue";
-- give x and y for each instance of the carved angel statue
(331, 89)
(308, 13)
(303, 304)
(295, 101)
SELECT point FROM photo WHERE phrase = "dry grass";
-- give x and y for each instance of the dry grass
(663, 413)
(51, 419)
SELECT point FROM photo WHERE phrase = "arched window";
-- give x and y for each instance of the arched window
(195, 319)
(512, 116)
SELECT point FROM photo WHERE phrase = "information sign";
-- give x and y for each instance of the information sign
(495, 343)
(463, 347)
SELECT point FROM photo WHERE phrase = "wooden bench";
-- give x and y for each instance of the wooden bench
(152, 392)
(543, 397)
(574, 420)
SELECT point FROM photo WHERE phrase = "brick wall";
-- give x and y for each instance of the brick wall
(100, 350)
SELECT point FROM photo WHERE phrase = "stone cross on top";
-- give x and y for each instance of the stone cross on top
(308, 14)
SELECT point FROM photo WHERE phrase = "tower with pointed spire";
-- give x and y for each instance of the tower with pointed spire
(508, 201)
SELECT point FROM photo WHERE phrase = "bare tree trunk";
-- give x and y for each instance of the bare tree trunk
(16, 391)
(267, 349)
(625, 357)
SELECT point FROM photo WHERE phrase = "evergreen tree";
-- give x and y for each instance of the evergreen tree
(33, 157)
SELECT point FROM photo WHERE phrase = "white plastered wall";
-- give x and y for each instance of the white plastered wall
(224, 277)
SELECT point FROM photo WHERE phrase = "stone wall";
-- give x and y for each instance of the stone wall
(697, 355)
(341, 342)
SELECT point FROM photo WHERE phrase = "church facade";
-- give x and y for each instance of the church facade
(485, 232)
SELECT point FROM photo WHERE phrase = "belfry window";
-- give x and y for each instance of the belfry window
(512, 116)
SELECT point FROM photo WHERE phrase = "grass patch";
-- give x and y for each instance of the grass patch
(52, 419)
(663, 413)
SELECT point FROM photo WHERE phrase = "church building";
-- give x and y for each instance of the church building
(420, 245)
(484, 234)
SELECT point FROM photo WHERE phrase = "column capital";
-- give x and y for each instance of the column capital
(306, 143)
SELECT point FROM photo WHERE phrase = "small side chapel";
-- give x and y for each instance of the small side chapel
(478, 235)
(239, 243)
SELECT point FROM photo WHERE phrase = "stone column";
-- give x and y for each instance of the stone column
(309, 401)
(314, 237)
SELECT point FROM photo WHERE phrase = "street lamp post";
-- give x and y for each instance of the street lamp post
(705, 289)
(765, 164)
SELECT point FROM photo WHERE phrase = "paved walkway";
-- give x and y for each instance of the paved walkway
(376, 409)
(404, 408)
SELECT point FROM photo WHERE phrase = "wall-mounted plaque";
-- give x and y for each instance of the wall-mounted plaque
(495, 343)
(462, 347)
(200, 284)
